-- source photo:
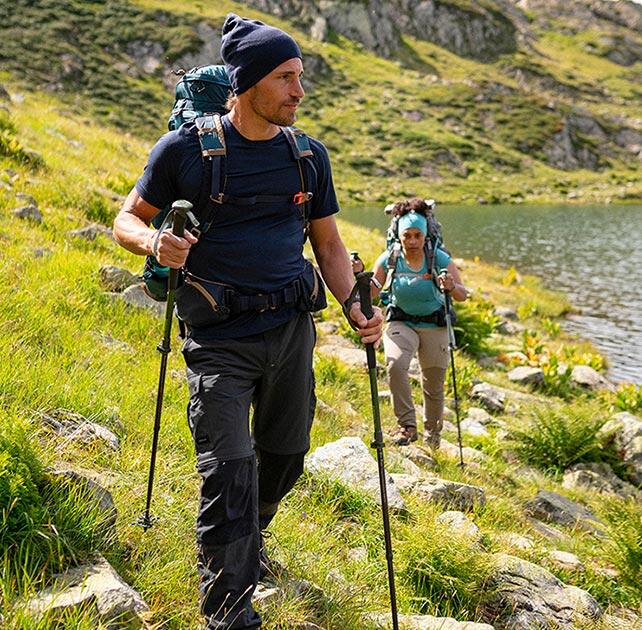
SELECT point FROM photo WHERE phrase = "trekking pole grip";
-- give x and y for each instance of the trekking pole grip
(180, 208)
(365, 296)
(365, 302)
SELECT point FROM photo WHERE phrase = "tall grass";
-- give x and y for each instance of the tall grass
(558, 437)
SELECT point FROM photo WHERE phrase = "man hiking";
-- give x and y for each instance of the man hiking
(246, 298)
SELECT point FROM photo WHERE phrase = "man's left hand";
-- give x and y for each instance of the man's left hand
(370, 330)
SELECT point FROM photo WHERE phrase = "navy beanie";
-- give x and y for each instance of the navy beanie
(251, 49)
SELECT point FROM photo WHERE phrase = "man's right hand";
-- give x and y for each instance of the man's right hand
(171, 250)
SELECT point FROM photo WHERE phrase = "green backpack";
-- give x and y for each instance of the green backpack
(202, 90)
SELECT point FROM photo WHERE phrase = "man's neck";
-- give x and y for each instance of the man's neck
(251, 126)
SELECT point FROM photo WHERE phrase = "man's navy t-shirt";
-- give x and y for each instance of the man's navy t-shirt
(256, 248)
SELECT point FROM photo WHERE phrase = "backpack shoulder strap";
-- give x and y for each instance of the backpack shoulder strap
(391, 265)
(299, 142)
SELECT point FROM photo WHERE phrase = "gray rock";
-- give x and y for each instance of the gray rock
(459, 496)
(525, 596)
(73, 427)
(586, 376)
(348, 460)
(97, 586)
(600, 478)
(419, 456)
(116, 279)
(41, 252)
(491, 397)
(357, 554)
(135, 296)
(566, 561)
(624, 430)
(552, 534)
(426, 622)
(343, 349)
(525, 375)
(98, 495)
(460, 525)
(552, 507)
(26, 199)
(505, 312)
(470, 454)
(90, 232)
(479, 415)
(472, 427)
(327, 327)
(510, 328)
(516, 357)
(519, 542)
(29, 212)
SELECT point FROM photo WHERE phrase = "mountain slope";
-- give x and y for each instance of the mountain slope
(466, 102)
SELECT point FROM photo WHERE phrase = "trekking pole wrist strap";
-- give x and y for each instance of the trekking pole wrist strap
(347, 305)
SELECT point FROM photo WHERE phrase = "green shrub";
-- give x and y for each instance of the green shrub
(624, 524)
(476, 322)
(628, 397)
(445, 573)
(46, 523)
(558, 438)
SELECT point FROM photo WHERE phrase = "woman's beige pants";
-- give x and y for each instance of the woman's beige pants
(400, 343)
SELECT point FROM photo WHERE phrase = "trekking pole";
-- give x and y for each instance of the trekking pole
(181, 210)
(452, 346)
(363, 283)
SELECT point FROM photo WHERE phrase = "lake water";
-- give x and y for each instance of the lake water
(592, 253)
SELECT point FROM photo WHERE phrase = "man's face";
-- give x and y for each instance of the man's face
(277, 95)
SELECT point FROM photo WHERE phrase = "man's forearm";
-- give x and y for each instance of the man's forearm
(336, 269)
(131, 226)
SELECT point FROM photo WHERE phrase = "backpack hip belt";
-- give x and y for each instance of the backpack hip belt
(396, 314)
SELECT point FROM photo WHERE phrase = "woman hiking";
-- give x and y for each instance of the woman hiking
(416, 319)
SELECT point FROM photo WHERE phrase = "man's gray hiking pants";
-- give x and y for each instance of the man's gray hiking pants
(272, 373)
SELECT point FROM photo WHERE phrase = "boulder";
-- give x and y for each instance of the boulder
(566, 561)
(551, 534)
(73, 427)
(505, 312)
(90, 232)
(479, 415)
(344, 350)
(460, 525)
(600, 478)
(473, 427)
(517, 541)
(97, 586)
(524, 596)
(459, 496)
(469, 453)
(624, 430)
(348, 461)
(510, 328)
(30, 212)
(491, 397)
(525, 375)
(419, 456)
(555, 508)
(135, 296)
(586, 376)
(116, 279)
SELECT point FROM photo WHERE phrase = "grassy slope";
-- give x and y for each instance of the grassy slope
(358, 110)
(52, 355)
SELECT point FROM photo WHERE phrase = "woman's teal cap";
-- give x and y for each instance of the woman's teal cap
(413, 220)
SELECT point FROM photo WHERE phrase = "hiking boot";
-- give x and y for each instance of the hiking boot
(269, 569)
(433, 440)
(404, 435)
